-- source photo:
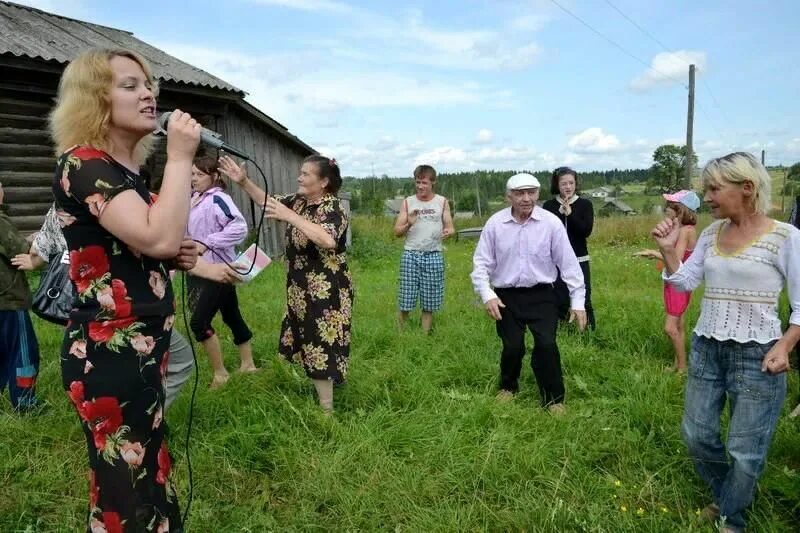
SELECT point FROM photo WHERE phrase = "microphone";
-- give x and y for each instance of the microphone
(207, 137)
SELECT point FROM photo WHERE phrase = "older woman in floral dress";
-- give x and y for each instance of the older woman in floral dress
(319, 294)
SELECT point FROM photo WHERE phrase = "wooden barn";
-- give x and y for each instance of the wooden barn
(35, 46)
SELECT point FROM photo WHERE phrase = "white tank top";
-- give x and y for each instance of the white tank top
(425, 235)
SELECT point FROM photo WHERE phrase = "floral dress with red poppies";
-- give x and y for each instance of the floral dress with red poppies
(115, 350)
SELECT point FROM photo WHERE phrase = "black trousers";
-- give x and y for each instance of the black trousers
(563, 301)
(206, 298)
(534, 308)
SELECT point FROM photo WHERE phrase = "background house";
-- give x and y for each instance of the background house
(35, 46)
(601, 192)
(614, 206)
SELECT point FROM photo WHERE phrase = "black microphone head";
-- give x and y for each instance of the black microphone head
(163, 120)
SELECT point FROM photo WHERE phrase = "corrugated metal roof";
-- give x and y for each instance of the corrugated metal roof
(29, 32)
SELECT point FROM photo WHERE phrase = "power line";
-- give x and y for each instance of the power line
(617, 45)
(638, 59)
(668, 50)
(626, 17)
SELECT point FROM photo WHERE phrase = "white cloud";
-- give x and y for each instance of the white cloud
(669, 68)
(756, 147)
(469, 50)
(787, 154)
(284, 87)
(529, 22)
(443, 155)
(594, 140)
(518, 155)
(331, 91)
(387, 142)
(367, 34)
(329, 6)
(455, 159)
(484, 136)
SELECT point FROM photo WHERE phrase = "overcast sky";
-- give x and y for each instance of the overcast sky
(492, 84)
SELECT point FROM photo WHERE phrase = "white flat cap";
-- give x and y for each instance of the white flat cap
(522, 181)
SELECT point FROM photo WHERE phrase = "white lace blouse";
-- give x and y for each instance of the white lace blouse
(742, 289)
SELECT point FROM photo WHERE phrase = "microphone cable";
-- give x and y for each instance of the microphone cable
(184, 296)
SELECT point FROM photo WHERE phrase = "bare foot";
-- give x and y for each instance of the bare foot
(504, 395)
(710, 513)
(248, 369)
(219, 381)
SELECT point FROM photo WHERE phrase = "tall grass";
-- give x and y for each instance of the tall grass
(418, 442)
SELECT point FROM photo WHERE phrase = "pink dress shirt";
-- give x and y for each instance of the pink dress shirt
(510, 254)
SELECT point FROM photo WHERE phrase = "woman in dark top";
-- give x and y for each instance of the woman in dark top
(577, 215)
(114, 353)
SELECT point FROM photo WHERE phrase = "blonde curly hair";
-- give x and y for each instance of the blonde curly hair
(83, 106)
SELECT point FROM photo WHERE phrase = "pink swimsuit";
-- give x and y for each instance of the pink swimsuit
(675, 301)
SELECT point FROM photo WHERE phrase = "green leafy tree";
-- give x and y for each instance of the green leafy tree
(794, 172)
(467, 202)
(669, 163)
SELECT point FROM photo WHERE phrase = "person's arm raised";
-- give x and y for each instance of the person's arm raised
(402, 224)
(158, 229)
(238, 175)
(666, 234)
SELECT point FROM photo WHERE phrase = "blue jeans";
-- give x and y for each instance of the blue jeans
(732, 370)
(19, 358)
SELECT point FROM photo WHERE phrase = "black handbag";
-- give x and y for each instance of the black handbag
(54, 298)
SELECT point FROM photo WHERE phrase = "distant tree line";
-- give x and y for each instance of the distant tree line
(472, 191)
(369, 194)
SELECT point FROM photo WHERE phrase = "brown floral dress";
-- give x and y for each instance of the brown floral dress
(319, 293)
(114, 354)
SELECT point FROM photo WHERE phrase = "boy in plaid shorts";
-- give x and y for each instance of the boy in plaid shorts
(425, 220)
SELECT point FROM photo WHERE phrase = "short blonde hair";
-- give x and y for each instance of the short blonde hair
(83, 107)
(737, 168)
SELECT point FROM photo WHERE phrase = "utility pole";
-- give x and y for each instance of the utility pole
(690, 129)
(763, 156)
(478, 196)
(783, 193)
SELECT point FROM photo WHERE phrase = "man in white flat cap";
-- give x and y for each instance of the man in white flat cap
(521, 250)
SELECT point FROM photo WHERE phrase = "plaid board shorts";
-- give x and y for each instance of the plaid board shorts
(421, 276)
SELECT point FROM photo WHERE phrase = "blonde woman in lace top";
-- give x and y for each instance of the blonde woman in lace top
(739, 353)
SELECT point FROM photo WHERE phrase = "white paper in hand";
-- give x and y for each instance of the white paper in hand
(254, 256)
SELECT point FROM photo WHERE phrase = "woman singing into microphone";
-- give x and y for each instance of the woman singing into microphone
(113, 357)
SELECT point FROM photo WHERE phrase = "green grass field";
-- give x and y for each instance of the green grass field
(418, 442)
